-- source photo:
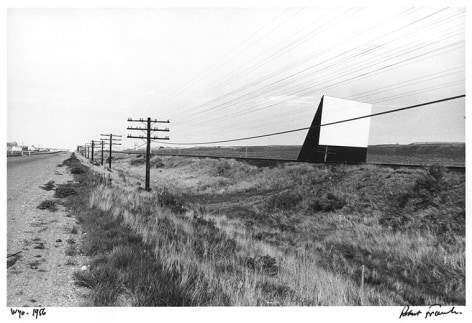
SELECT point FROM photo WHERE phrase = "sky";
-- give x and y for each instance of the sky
(224, 73)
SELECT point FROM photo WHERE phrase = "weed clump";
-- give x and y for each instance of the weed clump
(72, 161)
(156, 163)
(12, 260)
(275, 291)
(77, 170)
(48, 205)
(223, 167)
(328, 202)
(172, 201)
(64, 191)
(137, 162)
(96, 276)
(48, 186)
(263, 264)
(286, 200)
(430, 204)
(209, 240)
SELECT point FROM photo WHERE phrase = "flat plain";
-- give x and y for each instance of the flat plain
(447, 154)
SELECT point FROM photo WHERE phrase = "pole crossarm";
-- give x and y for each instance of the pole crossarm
(146, 120)
(102, 134)
(111, 139)
(145, 137)
(145, 129)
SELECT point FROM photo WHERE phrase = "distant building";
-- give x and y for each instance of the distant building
(329, 141)
(13, 146)
(32, 148)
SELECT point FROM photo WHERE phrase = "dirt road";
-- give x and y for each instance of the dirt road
(40, 274)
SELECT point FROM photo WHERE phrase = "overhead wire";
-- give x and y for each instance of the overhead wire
(211, 68)
(283, 69)
(416, 21)
(258, 64)
(322, 125)
(370, 62)
(267, 33)
(293, 118)
(349, 75)
(311, 87)
(287, 116)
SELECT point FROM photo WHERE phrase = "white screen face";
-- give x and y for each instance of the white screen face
(350, 134)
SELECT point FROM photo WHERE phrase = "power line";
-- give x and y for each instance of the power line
(303, 91)
(310, 88)
(233, 52)
(237, 101)
(246, 69)
(323, 125)
(301, 115)
(439, 20)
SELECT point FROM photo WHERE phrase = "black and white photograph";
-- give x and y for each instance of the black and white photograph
(216, 162)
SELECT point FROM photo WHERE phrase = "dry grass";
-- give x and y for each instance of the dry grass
(227, 233)
(338, 216)
(231, 267)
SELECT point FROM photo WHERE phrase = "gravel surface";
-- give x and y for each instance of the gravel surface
(41, 273)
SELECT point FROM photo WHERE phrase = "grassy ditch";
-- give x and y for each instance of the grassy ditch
(405, 226)
(216, 266)
(219, 233)
(122, 270)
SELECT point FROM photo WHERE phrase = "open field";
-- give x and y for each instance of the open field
(223, 232)
(447, 154)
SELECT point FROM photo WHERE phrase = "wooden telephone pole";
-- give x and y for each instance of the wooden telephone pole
(113, 141)
(148, 122)
(103, 144)
(327, 151)
(94, 143)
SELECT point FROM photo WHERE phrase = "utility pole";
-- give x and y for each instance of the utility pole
(93, 142)
(148, 122)
(326, 152)
(114, 139)
(103, 143)
(93, 145)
